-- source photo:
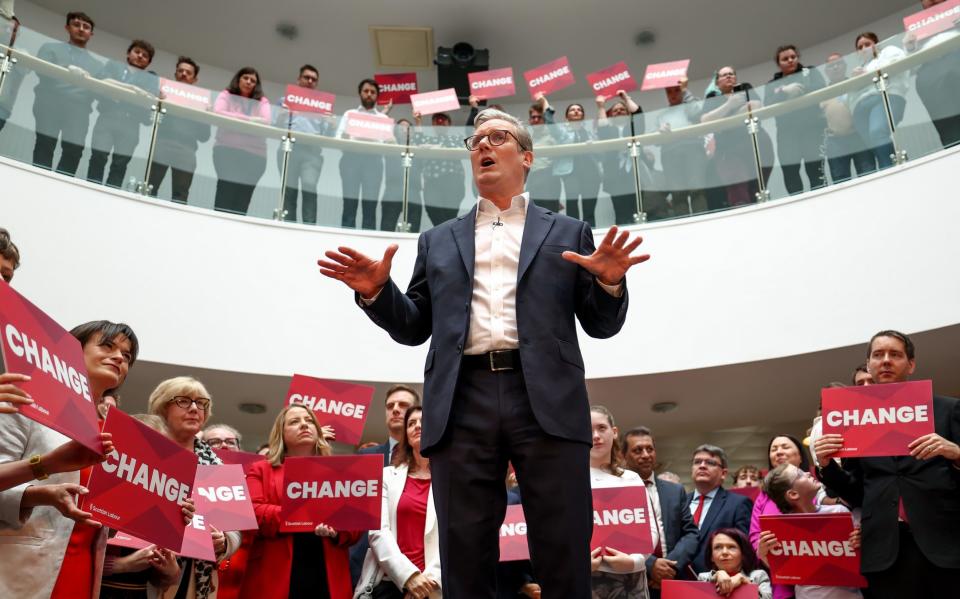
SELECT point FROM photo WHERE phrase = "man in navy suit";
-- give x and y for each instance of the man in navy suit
(496, 292)
(396, 401)
(910, 503)
(711, 506)
(678, 533)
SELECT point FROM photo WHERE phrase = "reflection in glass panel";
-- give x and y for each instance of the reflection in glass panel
(444, 175)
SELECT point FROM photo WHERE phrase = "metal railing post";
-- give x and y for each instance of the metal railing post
(753, 128)
(144, 187)
(899, 155)
(286, 146)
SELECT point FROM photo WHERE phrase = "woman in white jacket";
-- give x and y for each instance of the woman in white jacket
(615, 574)
(869, 114)
(404, 555)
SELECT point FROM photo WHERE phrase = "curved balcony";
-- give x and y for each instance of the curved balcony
(739, 318)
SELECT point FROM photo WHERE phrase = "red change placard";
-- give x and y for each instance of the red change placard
(122, 539)
(220, 494)
(814, 550)
(878, 420)
(185, 94)
(621, 519)
(608, 81)
(687, 589)
(344, 406)
(664, 74)
(487, 85)
(138, 487)
(548, 78)
(198, 540)
(302, 99)
(340, 491)
(443, 100)
(513, 535)
(245, 458)
(937, 18)
(396, 86)
(35, 345)
(375, 127)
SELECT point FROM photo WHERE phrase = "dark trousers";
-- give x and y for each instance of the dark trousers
(492, 423)
(58, 118)
(800, 145)
(912, 576)
(583, 182)
(442, 196)
(391, 205)
(237, 174)
(180, 181)
(545, 188)
(842, 150)
(303, 174)
(360, 177)
(938, 85)
(112, 133)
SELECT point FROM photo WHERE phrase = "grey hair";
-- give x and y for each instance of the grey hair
(227, 427)
(714, 451)
(490, 114)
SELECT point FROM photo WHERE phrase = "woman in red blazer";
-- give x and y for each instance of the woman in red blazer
(294, 565)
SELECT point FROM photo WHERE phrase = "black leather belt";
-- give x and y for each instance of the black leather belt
(495, 361)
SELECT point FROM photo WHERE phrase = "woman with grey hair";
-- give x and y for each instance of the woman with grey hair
(185, 406)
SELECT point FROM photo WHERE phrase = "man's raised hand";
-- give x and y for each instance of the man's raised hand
(611, 260)
(360, 273)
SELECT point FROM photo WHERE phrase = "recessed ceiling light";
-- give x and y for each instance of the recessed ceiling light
(252, 408)
(663, 407)
(287, 31)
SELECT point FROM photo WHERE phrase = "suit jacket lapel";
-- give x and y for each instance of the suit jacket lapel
(714, 510)
(464, 234)
(535, 229)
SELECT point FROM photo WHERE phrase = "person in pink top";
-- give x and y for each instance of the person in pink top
(783, 449)
(240, 159)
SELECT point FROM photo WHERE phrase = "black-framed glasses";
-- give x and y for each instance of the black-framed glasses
(183, 402)
(217, 442)
(706, 461)
(497, 137)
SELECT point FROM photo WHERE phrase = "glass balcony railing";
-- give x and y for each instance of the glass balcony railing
(68, 110)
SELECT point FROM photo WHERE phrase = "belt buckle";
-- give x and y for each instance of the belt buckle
(493, 366)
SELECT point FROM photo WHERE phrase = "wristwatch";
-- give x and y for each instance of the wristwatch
(36, 465)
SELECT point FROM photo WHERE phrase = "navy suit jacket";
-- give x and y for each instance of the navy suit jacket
(678, 528)
(727, 510)
(550, 292)
(383, 448)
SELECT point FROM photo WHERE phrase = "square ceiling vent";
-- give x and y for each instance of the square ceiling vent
(403, 47)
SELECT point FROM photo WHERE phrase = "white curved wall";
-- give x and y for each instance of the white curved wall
(216, 291)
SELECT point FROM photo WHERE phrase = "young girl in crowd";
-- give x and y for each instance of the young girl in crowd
(795, 491)
(733, 563)
(615, 574)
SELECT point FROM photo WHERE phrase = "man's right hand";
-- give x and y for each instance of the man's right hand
(360, 273)
(826, 447)
(663, 569)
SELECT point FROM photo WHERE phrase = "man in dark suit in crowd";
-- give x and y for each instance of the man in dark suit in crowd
(911, 504)
(496, 291)
(711, 506)
(678, 533)
(396, 401)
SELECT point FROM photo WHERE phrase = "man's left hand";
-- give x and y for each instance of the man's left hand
(933, 445)
(611, 260)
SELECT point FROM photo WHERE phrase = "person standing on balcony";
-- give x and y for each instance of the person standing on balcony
(117, 128)
(361, 174)
(240, 159)
(799, 132)
(178, 139)
(62, 108)
(497, 289)
(938, 83)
